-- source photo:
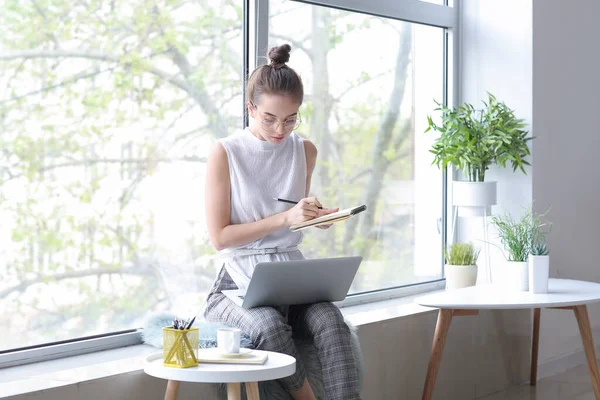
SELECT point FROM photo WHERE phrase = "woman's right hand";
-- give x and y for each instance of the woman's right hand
(306, 209)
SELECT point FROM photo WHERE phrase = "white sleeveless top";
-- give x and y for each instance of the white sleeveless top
(259, 171)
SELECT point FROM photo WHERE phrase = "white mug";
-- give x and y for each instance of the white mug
(228, 340)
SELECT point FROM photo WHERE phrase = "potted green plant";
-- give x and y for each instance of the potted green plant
(515, 236)
(461, 265)
(472, 140)
(539, 260)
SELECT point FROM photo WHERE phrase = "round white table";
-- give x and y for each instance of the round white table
(564, 294)
(277, 366)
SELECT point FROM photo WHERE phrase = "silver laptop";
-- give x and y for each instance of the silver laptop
(281, 283)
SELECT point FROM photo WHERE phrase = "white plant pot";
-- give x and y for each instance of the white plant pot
(539, 270)
(517, 276)
(460, 276)
(473, 197)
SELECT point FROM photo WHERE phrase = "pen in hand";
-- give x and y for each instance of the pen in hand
(290, 201)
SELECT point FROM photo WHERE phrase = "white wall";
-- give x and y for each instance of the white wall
(496, 57)
(566, 116)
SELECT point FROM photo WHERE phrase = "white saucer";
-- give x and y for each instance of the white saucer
(243, 353)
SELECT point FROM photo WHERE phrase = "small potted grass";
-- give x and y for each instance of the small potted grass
(515, 235)
(461, 265)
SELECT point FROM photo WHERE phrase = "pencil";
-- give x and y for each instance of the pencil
(290, 201)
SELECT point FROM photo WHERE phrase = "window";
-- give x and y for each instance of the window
(107, 112)
(370, 83)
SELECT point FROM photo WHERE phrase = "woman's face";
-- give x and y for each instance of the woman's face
(274, 117)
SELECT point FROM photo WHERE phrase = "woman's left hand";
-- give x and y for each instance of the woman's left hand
(325, 212)
(324, 226)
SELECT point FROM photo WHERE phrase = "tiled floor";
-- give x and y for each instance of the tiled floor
(573, 384)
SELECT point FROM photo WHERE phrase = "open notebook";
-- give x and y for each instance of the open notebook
(341, 215)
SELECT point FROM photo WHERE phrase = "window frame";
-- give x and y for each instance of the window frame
(69, 348)
(255, 44)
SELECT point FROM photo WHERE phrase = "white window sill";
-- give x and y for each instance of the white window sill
(87, 367)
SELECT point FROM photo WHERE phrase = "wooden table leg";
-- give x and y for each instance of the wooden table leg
(234, 391)
(252, 391)
(535, 343)
(439, 339)
(464, 313)
(172, 389)
(585, 330)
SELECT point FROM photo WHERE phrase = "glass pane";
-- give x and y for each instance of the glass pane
(106, 113)
(370, 83)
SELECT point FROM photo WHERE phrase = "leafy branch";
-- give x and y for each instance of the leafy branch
(135, 269)
(200, 96)
(89, 161)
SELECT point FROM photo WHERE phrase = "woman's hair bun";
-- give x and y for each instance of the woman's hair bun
(279, 55)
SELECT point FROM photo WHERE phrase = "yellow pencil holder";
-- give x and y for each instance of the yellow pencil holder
(180, 347)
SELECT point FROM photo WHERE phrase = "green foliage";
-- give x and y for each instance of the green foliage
(473, 140)
(515, 235)
(461, 254)
(539, 249)
(540, 227)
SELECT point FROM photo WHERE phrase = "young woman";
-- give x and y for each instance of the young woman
(245, 172)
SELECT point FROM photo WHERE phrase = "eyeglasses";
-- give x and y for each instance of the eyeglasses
(271, 124)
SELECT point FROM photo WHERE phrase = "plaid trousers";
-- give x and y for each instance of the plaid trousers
(271, 329)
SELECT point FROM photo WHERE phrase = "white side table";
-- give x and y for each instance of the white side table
(277, 366)
(562, 294)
